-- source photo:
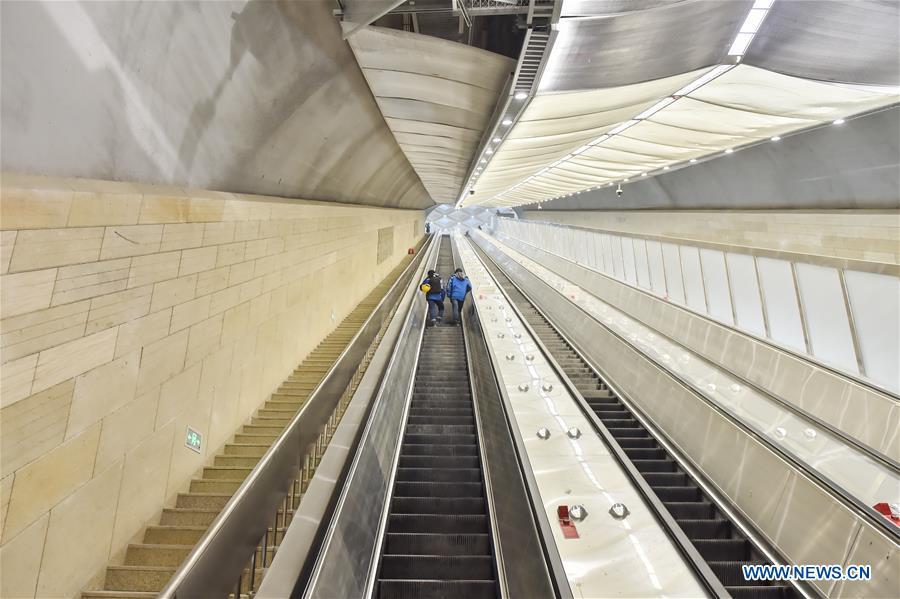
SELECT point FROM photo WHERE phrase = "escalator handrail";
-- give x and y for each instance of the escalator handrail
(232, 537)
(850, 501)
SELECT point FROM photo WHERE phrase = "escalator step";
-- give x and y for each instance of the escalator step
(677, 493)
(761, 592)
(433, 461)
(437, 505)
(438, 523)
(664, 465)
(714, 528)
(640, 453)
(634, 442)
(442, 419)
(666, 479)
(438, 544)
(723, 549)
(438, 567)
(415, 439)
(436, 589)
(430, 489)
(440, 429)
(691, 509)
(410, 449)
(442, 475)
(731, 574)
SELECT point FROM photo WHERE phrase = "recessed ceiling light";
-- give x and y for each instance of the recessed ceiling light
(776, 138)
(489, 151)
(665, 168)
(839, 122)
(626, 180)
(507, 122)
(496, 140)
(693, 160)
(729, 151)
(521, 96)
(484, 160)
(643, 174)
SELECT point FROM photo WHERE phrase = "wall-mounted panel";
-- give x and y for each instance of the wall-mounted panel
(826, 316)
(875, 302)
(672, 263)
(745, 293)
(693, 278)
(640, 261)
(715, 278)
(780, 296)
(657, 269)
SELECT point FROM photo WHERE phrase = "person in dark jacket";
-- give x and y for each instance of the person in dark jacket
(457, 289)
(435, 297)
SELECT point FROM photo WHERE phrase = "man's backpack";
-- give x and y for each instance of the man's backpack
(435, 283)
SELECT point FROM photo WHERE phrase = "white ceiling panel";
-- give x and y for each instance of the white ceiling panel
(436, 97)
(743, 106)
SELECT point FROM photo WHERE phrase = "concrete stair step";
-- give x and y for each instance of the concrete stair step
(236, 461)
(257, 429)
(142, 554)
(225, 473)
(246, 449)
(118, 595)
(187, 517)
(279, 421)
(173, 535)
(255, 439)
(138, 578)
(276, 411)
(202, 501)
(215, 486)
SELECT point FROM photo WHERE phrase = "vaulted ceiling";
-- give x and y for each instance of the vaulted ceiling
(633, 89)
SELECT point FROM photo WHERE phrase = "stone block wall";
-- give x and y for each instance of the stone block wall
(130, 312)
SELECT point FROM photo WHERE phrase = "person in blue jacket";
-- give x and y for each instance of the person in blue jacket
(435, 297)
(457, 288)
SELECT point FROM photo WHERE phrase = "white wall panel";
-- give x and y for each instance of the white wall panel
(715, 277)
(826, 316)
(618, 265)
(606, 247)
(657, 269)
(781, 302)
(693, 278)
(673, 272)
(875, 301)
(640, 260)
(745, 293)
(628, 260)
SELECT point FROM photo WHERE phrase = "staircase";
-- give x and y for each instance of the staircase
(149, 565)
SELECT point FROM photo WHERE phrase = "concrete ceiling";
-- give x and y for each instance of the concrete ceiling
(255, 97)
(633, 89)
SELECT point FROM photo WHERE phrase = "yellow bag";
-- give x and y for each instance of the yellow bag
(425, 287)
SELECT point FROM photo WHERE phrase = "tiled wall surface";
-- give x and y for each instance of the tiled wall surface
(858, 234)
(131, 312)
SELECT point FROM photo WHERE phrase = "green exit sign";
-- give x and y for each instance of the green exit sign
(193, 440)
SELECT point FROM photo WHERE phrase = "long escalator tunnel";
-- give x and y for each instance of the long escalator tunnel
(437, 543)
(718, 540)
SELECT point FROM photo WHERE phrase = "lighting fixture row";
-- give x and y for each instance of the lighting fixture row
(506, 122)
(774, 138)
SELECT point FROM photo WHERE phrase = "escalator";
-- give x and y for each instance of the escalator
(718, 540)
(437, 539)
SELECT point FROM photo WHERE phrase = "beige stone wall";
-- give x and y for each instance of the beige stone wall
(857, 234)
(131, 312)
